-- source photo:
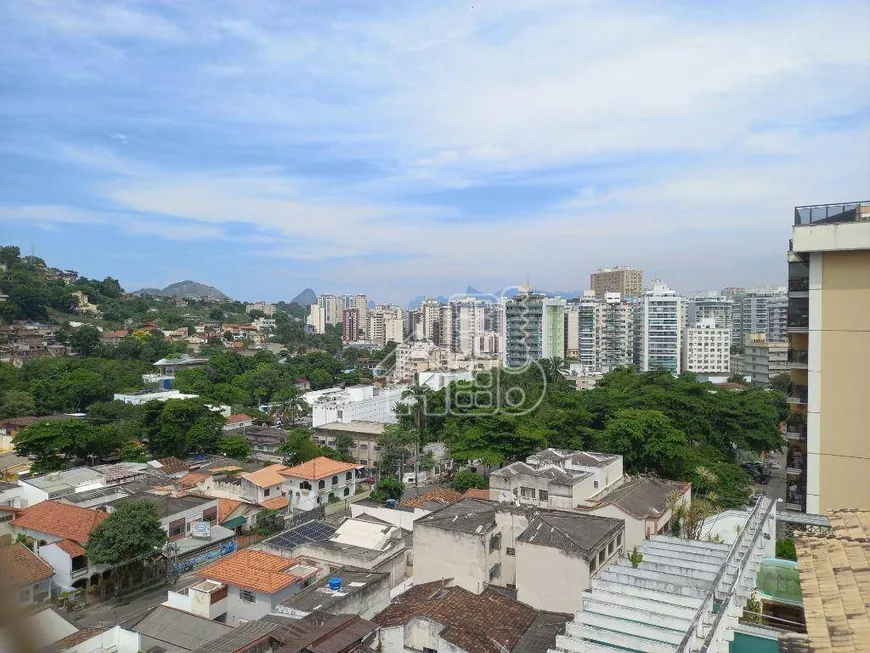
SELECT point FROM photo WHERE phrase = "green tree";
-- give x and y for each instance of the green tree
(781, 382)
(52, 444)
(298, 448)
(235, 446)
(16, 403)
(289, 406)
(320, 379)
(181, 426)
(647, 440)
(268, 523)
(388, 488)
(466, 480)
(131, 534)
(394, 444)
(344, 443)
(85, 340)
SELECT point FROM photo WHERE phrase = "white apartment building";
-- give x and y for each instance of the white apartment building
(757, 307)
(317, 318)
(418, 357)
(358, 403)
(659, 319)
(711, 305)
(265, 307)
(708, 347)
(599, 332)
(385, 323)
(468, 319)
(535, 328)
(777, 318)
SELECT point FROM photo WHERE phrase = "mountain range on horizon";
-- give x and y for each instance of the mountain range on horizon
(185, 289)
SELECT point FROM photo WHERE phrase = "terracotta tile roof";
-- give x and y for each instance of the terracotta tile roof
(76, 638)
(226, 508)
(476, 493)
(19, 566)
(275, 503)
(835, 583)
(318, 468)
(266, 477)
(115, 334)
(192, 479)
(172, 465)
(441, 495)
(471, 621)
(72, 548)
(60, 519)
(253, 570)
(240, 417)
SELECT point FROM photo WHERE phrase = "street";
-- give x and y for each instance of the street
(109, 613)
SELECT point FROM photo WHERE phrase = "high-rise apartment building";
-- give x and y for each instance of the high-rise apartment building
(764, 359)
(828, 462)
(599, 332)
(535, 328)
(708, 347)
(267, 309)
(711, 305)
(468, 324)
(317, 318)
(659, 321)
(757, 307)
(361, 304)
(628, 282)
(430, 311)
(351, 325)
(777, 318)
(386, 323)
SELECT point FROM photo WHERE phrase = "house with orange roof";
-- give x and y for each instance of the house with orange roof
(24, 576)
(60, 532)
(319, 481)
(238, 421)
(257, 582)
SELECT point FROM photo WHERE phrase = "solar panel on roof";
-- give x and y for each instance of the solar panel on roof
(311, 532)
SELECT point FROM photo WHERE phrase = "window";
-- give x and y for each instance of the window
(601, 556)
(321, 484)
(210, 515)
(619, 540)
(335, 480)
(592, 565)
(510, 551)
(247, 596)
(528, 492)
(543, 495)
(348, 476)
(594, 485)
(346, 491)
(610, 547)
(25, 594)
(495, 572)
(495, 543)
(429, 650)
(266, 492)
(364, 447)
(176, 528)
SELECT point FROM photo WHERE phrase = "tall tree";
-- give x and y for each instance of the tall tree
(647, 441)
(85, 340)
(130, 535)
(298, 447)
(289, 407)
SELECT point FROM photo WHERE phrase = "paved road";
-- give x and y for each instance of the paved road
(109, 613)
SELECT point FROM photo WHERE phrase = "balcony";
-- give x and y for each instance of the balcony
(831, 213)
(798, 358)
(796, 432)
(798, 286)
(797, 395)
(798, 323)
(796, 465)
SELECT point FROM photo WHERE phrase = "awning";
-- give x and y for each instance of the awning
(235, 522)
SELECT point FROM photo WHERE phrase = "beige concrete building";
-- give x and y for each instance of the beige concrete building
(628, 282)
(763, 359)
(829, 352)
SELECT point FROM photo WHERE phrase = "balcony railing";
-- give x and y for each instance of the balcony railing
(798, 394)
(799, 285)
(798, 356)
(832, 213)
(798, 321)
(796, 465)
(796, 432)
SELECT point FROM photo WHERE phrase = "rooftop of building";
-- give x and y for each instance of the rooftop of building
(550, 472)
(318, 468)
(473, 516)
(541, 635)
(239, 638)
(265, 434)
(238, 418)
(320, 632)
(573, 533)
(578, 458)
(266, 477)
(258, 571)
(320, 596)
(642, 496)
(60, 519)
(21, 567)
(312, 531)
(184, 359)
(176, 628)
(167, 505)
(486, 623)
(170, 465)
(819, 214)
(56, 483)
(367, 428)
(835, 582)
(434, 499)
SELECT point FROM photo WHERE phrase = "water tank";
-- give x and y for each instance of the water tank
(390, 503)
(335, 584)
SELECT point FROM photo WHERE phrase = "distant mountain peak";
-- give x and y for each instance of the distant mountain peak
(306, 298)
(185, 289)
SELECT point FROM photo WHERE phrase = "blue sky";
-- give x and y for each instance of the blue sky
(406, 148)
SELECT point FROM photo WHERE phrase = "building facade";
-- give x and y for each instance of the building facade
(829, 350)
(351, 330)
(659, 319)
(708, 347)
(763, 359)
(628, 282)
(535, 328)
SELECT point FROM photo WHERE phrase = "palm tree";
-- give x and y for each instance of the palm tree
(418, 394)
(289, 406)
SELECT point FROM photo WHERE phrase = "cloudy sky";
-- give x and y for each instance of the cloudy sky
(405, 148)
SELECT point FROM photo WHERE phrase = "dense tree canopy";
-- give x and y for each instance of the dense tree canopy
(131, 532)
(54, 444)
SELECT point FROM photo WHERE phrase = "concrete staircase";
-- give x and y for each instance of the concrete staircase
(666, 604)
